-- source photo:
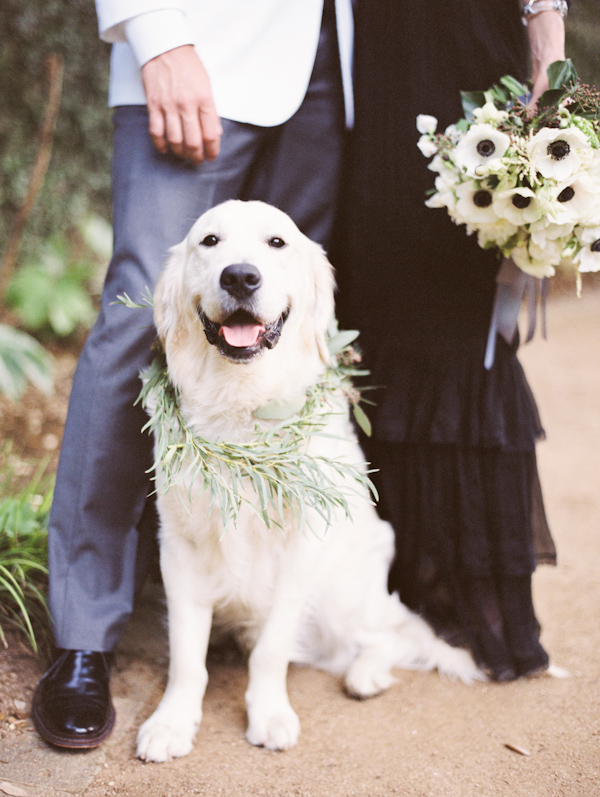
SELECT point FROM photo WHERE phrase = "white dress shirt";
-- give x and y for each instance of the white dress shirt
(259, 54)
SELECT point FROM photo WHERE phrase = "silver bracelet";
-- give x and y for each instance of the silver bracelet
(534, 7)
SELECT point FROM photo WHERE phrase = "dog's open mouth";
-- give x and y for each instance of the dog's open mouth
(241, 336)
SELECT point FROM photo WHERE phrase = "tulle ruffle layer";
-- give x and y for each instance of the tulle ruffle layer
(439, 392)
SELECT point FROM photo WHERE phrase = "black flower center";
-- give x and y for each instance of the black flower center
(595, 247)
(482, 199)
(558, 150)
(520, 201)
(566, 194)
(486, 148)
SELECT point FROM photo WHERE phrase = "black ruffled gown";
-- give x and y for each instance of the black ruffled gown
(455, 444)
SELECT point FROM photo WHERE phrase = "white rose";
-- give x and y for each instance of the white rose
(527, 263)
(496, 234)
(545, 230)
(550, 253)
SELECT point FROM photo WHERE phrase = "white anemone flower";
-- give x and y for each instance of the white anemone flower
(518, 206)
(479, 151)
(474, 205)
(560, 153)
(575, 201)
(530, 265)
(489, 114)
(426, 125)
(588, 257)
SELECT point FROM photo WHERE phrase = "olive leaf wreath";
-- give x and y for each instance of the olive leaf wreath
(276, 465)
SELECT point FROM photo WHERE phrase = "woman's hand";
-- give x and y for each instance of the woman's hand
(546, 32)
(183, 117)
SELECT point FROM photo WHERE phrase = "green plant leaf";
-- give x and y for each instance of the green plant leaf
(22, 359)
(561, 73)
(551, 98)
(471, 100)
(24, 511)
(362, 419)
(514, 86)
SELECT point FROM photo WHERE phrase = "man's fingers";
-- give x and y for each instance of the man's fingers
(211, 132)
(183, 117)
(192, 137)
(157, 130)
(174, 134)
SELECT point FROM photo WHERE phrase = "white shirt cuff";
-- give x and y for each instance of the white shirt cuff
(156, 32)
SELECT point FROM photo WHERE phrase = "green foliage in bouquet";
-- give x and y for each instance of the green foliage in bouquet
(565, 92)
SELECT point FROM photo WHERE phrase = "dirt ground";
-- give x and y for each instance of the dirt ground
(426, 737)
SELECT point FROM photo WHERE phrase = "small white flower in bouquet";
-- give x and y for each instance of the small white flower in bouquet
(526, 183)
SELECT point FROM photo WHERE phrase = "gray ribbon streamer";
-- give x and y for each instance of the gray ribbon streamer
(512, 285)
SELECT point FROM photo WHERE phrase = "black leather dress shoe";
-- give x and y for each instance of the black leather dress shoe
(72, 705)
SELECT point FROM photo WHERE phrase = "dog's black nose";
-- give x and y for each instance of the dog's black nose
(240, 280)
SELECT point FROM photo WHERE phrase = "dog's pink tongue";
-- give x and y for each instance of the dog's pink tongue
(241, 336)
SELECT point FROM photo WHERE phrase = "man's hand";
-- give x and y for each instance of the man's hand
(183, 117)
(546, 32)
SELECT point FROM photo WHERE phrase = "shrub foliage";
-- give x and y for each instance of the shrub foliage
(78, 178)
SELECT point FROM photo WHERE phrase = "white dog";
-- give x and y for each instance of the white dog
(242, 311)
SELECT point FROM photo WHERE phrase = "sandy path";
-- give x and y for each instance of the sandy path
(425, 737)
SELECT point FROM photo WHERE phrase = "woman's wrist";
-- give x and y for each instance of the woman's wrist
(534, 7)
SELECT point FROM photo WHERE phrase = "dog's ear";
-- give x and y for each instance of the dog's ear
(323, 302)
(168, 293)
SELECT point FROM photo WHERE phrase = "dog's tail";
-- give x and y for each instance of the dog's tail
(418, 648)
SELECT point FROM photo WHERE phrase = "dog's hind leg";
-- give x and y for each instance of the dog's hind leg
(403, 640)
(371, 671)
(170, 731)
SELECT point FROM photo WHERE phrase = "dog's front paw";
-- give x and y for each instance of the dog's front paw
(162, 739)
(275, 729)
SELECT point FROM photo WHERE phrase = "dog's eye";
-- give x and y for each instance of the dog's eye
(277, 243)
(210, 240)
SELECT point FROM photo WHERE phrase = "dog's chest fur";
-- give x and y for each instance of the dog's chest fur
(235, 569)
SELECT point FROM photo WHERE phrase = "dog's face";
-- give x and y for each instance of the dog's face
(244, 272)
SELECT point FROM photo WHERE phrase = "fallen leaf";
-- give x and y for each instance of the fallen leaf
(516, 749)
(12, 789)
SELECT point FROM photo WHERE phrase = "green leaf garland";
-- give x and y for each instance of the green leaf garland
(275, 465)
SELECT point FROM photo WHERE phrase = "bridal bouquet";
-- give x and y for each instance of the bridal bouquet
(528, 184)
